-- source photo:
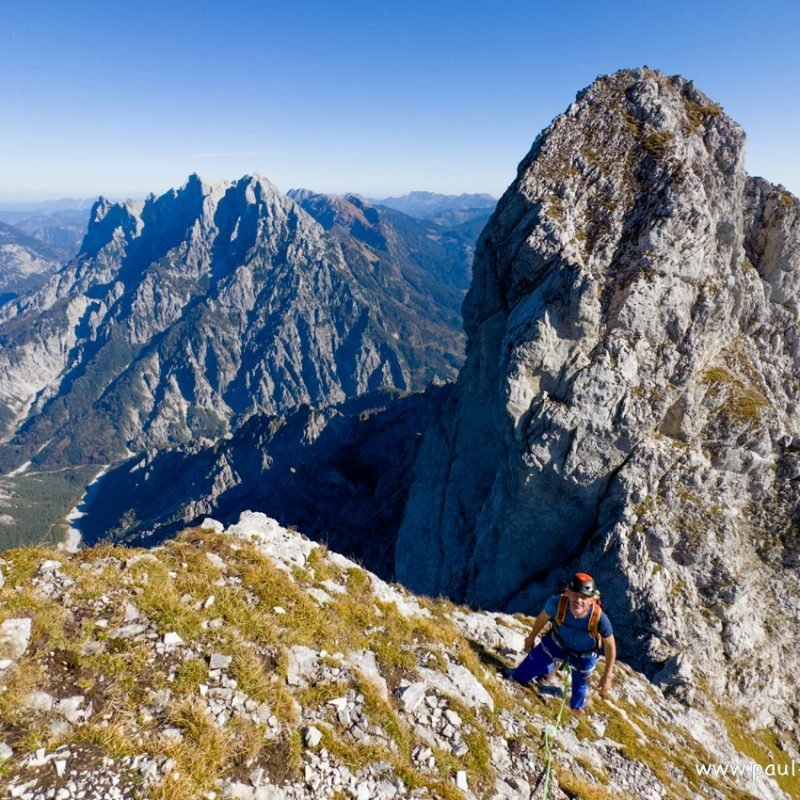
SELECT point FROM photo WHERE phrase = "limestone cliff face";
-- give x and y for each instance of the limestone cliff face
(184, 314)
(629, 400)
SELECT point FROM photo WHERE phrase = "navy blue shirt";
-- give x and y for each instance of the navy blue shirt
(575, 632)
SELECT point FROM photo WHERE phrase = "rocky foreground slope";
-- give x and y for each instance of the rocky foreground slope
(253, 663)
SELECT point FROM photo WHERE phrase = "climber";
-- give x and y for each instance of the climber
(580, 631)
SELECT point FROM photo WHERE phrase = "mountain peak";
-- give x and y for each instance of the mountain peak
(623, 395)
(195, 201)
(107, 219)
(630, 135)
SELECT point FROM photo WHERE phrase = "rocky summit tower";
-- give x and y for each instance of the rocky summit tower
(629, 401)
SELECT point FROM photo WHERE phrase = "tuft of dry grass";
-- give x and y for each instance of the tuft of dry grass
(576, 786)
(382, 713)
(657, 143)
(698, 114)
(114, 737)
(24, 678)
(22, 565)
(203, 755)
(189, 675)
(253, 675)
(245, 742)
(741, 403)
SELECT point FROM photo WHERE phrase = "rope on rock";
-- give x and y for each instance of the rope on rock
(550, 731)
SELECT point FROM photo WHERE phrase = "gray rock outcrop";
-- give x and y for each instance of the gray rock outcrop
(629, 403)
(15, 634)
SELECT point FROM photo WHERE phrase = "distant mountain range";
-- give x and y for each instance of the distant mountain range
(61, 223)
(444, 209)
(31, 208)
(184, 314)
(431, 249)
(36, 239)
(61, 228)
(25, 261)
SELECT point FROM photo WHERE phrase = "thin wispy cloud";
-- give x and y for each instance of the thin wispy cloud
(235, 153)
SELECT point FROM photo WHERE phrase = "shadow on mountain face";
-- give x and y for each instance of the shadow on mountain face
(220, 299)
(339, 474)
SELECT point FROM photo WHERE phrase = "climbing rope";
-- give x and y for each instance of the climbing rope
(550, 731)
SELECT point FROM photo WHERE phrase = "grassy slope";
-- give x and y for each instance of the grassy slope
(171, 587)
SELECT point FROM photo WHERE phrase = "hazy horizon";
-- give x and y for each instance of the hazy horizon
(21, 204)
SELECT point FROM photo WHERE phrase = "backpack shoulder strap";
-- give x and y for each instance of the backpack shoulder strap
(594, 621)
(561, 614)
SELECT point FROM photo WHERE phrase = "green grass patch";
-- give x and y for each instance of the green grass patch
(741, 403)
(161, 602)
(380, 712)
(21, 566)
(580, 788)
(189, 675)
(253, 674)
(698, 114)
(127, 668)
(27, 677)
(657, 143)
(203, 755)
(323, 569)
(321, 693)
(113, 738)
(39, 504)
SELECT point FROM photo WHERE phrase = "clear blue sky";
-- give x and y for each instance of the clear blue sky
(377, 97)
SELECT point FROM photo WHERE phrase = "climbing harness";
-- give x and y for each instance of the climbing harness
(550, 731)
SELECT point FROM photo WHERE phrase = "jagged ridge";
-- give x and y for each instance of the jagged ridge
(185, 313)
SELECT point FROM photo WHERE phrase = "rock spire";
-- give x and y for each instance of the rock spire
(629, 403)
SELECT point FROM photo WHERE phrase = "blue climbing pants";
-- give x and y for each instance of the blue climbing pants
(542, 660)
